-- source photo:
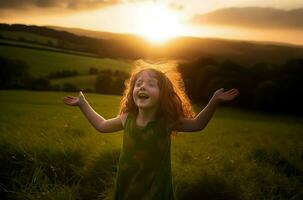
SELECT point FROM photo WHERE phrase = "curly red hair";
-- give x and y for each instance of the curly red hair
(173, 103)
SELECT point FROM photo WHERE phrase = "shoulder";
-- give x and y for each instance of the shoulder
(123, 118)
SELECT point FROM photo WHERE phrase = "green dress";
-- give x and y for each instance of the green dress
(144, 170)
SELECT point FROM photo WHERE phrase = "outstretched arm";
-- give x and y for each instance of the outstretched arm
(101, 124)
(202, 119)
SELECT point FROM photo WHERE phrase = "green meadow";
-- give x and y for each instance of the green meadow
(42, 46)
(15, 35)
(83, 82)
(43, 62)
(50, 151)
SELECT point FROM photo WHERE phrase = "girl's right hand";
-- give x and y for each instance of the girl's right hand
(74, 101)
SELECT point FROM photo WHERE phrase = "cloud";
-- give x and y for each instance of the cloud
(173, 4)
(60, 4)
(176, 6)
(253, 17)
(74, 5)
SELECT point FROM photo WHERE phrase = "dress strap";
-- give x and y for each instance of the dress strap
(128, 120)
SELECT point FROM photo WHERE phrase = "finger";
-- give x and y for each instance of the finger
(234, 94)
(66, 101)
(236, 90)
(67, 98)
(229, 92)
(69, 103)
(233, 91)
(219, 90)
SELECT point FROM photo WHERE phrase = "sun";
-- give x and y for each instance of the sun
(157, 23)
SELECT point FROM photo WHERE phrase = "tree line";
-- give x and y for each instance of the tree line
(262, 86)
(14, 74)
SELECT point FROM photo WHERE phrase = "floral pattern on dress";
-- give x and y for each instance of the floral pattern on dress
(144, 170)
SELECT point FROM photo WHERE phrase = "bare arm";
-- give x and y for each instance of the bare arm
(100, 123)
(201, 120)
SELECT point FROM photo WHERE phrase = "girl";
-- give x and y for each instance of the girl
(153, 106)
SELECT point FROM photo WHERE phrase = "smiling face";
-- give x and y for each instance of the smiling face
(146, 90)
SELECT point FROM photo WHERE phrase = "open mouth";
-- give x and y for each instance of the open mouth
(143, 96)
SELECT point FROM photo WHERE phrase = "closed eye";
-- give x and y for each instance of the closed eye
(152, 83)
(138, 83)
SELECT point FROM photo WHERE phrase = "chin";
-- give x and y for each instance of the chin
(144, 106)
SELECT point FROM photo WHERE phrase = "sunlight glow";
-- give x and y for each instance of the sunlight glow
(158, 23)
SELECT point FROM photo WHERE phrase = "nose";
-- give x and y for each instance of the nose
(142, 86)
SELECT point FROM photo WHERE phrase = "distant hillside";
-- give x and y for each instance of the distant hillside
(244, 52)
(90, 33)
(183, 48)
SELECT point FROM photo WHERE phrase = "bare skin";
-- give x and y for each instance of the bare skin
(100, 123)
(115, 124)
(147, 85)
(201, 120)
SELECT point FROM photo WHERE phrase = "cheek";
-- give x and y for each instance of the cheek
(134, 94)
(156, 93)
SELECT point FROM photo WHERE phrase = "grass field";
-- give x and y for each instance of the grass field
(28, 36)
(82, 82)
(45, 47)
(49, 151)
(43, 62)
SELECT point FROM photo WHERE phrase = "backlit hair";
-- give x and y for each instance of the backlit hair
(173, 101)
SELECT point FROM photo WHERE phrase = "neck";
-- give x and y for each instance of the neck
(145, 116)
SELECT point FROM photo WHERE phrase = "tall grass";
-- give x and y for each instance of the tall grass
(50, 151)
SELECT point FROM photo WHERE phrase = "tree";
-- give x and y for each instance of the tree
(93, 70)
(265, 97)
(40, 84)
(13, 74)
(70, 87)
(103, 84)
(118, 86)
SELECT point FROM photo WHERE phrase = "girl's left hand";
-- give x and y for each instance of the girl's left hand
(221, 96)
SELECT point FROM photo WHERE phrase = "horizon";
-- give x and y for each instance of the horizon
(161, 21)
(161, 44)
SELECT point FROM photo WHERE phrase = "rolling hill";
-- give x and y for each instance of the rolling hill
(188, 48)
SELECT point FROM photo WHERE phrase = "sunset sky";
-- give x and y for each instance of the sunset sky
(274, 20)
